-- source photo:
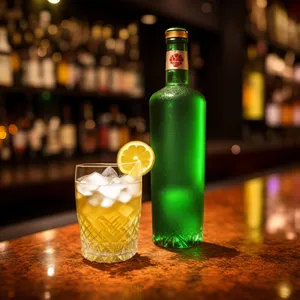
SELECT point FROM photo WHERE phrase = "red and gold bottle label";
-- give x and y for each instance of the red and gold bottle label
(176, 60)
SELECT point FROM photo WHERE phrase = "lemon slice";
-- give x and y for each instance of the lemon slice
(133, 152)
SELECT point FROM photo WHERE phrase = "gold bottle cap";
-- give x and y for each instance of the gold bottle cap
(176, 32)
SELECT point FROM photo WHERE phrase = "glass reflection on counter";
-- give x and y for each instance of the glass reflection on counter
(253, 195)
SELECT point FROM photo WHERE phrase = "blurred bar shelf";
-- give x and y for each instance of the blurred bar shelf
(33, 174)
(272, 45)
(68, 93)
(230, 156)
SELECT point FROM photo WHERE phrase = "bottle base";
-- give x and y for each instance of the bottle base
(177, 242)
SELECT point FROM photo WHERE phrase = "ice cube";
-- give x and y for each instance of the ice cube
(84, 189)
(95, 199)
(115, 180)
(107, 202)
(89, 183)
(124, 197)
(95, 179)
(110, 172)
(112, 191)
(128, 179)
(134, 189)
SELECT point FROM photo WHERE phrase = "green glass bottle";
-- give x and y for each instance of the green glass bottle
(177, 131)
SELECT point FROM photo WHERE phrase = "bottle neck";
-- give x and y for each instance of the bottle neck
(177, 70)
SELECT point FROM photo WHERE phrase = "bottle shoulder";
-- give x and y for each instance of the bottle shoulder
(176, 92)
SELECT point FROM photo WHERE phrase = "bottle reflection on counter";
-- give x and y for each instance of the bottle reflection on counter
(254, 204)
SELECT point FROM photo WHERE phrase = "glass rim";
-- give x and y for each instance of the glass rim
(95, 165)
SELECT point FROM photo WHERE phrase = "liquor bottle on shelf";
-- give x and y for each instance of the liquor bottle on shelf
(278, 23)
(273, 114)
(27, 127)
(292, 33)
(122, 50)
(274, 100)
(6, 70)
(20, 139)
(257, 16)
(16, 41)
(103, 128)
(114, 141)
(87, 60)
(37, 134)
(68, 136)
(136, 86)
(105, 61)
(196, 65)
(61, 56)
(124, 130)
(88, 130)
(5, 145)
(297, 114)
(287, 115)
(53, 143)
(296, 78)
(45, 51)
(140, 128)
(117, 53)
(253, 89)
(32, 69)
(112, 63)
(177, 122)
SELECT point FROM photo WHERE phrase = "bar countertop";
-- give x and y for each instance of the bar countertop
(251, 250)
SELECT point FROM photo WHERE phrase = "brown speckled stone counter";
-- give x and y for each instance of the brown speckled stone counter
(251, 251)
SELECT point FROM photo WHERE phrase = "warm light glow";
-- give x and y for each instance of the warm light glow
(124, 34)
(49, 250)
(110, 44)
(47, 236)
(148, 19)
(52, 29)
(42, 52)
(50, 271)
(53, 1)
(12, 129)
(261, 3)
(284, 290)
(276, 222)
(290, 235)
(2, 135)
(56, 57)
(235, 149)
(3, 246)
(90, 124)
(133, 29)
